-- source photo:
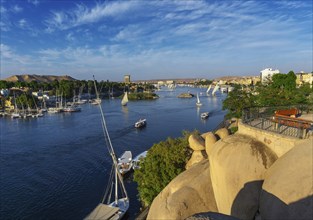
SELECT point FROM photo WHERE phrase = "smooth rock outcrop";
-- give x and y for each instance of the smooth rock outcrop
(211, 216)
(196, 157)
(210, 140)
(196, 142)
(189, 193)
(237, 166)
(287, 191)
(222, 133)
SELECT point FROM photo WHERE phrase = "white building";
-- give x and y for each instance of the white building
(267, 74)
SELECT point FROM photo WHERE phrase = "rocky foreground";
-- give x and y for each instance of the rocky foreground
(237, 176)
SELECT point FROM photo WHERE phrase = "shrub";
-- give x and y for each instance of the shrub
(164, 161)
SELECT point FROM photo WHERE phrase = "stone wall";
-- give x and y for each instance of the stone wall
(279, 144)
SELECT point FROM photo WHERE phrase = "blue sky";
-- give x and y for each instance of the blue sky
(154, 39)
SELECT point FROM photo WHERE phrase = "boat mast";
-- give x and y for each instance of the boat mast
(118, 176)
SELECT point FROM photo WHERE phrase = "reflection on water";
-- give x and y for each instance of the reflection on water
(56, 167)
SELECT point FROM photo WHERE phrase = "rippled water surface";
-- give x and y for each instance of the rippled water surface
(56, 167)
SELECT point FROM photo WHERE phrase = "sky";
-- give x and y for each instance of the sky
(154, 39)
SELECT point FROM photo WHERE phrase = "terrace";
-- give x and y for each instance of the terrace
(293, 121)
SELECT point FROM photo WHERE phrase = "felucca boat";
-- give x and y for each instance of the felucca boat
(125, 99)
(111, 208)
(198, 103)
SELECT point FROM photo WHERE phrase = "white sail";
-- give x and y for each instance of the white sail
(215, 89)
(125, 99)
(198, 100)
(208, 90)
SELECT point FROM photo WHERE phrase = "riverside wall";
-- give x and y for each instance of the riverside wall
(278, 143)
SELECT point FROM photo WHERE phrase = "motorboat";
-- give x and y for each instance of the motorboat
(141, 123)
(137, 159)
(204, 115)
(125, 162)
(15, 115)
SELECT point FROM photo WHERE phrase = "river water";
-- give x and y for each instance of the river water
(56, 167)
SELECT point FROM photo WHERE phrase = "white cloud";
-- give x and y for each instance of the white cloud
(70, 37)
(22, 23)
(8, 55)
(16, 9)
(5, 23)
(34, 2)
(83, 15)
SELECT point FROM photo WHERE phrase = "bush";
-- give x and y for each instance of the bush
(164, 161)
(233, 130)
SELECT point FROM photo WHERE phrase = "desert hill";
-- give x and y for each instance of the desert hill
(38, 78)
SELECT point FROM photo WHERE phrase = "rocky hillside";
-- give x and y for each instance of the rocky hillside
(38, 78)
(241, 177)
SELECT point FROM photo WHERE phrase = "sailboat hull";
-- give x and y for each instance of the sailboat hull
(112, 211)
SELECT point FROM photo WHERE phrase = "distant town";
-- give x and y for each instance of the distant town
(266, 74)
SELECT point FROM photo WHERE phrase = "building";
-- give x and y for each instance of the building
(127, 79)
(267, 74)
(304, 78)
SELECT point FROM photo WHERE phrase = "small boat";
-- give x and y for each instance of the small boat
(96, 101)
(125, 99)
(215, 89)
(204, 115)
(125, 162)
(72, 108)
(15, 115)
(198, 103)
(208, 90)
(137, 159)
(141, 123)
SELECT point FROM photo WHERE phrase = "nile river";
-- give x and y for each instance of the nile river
(56, 167)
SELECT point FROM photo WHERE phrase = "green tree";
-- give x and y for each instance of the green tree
(67, 88)
(237, 100)
(164, 161)
(284, 81)
(5, 84)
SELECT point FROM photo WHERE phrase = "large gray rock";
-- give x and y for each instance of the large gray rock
(189, 193)
(237, 165)
(287, 191)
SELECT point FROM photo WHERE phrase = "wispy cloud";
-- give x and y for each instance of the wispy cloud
(162, 37)
(8, 55)
(16, 9)
(82, 14)
(34, 2)
(293, 4)
(5, 23)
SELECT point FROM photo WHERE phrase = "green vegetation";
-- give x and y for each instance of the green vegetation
(280, 90)
(237, 100)
(142, 96)
(233, 130)
(164, 161)
(67, 88)
(203, 83)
